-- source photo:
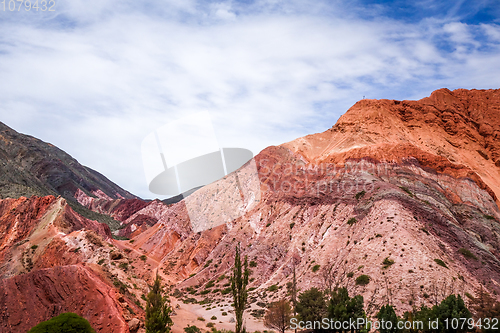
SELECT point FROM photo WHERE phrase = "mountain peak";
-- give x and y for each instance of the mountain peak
(455, 131)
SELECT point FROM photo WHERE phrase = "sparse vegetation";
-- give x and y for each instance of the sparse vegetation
(387, 262)
(440, 263)
(115, 255)
(351, 221)
(94, 238)
(208, 263)
(273, 288)
(407, 191)
(359, 195)
(192, 329)
(362, 280)
(466, 253)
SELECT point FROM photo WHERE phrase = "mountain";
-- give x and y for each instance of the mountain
(405, 192)
(29, 166)
(402, 193)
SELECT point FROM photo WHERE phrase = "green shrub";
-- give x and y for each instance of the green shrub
(360, 195)
(440, 263)
(210, 325)
(489, 217)
(225, 291)
(273, 288)
(467, 253)
(192, 329)
(208, 263)
(362, 280)
(123, 265)
(315, 268)
(292, 225)
(350, 274)
(201, 319)
(64, 323)
(252, 264)
(387, 262)
(210, 284)
(267, 225)
(213, 318)
(352, 220)
(34, 247)
(224, 313)
(143, 257)
(406, 190)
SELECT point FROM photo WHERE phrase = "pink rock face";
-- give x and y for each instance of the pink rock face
(411, 181)
(29, 299)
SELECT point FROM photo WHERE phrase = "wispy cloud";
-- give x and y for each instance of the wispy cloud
(97, 76)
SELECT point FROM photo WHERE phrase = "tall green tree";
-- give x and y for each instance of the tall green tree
(311, 305)
(342, 308)
(158, 309)
(451, 307)
(239, 282)
(387, 314)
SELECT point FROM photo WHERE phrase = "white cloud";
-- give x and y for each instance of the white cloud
(267, 75)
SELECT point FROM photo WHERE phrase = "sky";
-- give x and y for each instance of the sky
(96, 77)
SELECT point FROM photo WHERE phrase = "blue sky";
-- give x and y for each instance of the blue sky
(95, 77)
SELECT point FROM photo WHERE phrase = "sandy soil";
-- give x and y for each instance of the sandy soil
(188, 314)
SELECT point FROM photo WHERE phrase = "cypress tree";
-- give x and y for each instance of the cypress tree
(388, 314)
(157, 309)
(239, 282)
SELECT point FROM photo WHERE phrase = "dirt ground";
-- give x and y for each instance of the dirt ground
(188, 314)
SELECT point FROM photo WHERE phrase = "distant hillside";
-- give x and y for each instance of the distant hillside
(29, 166)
